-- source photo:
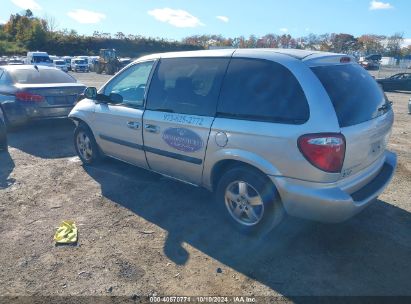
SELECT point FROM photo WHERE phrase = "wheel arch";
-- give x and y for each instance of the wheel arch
(79, 121)
(226, 164)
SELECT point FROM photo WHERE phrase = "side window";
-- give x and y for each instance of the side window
(262, 90)
(187, 85)
(131, 84)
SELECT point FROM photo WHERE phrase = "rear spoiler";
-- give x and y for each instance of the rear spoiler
(321, 59)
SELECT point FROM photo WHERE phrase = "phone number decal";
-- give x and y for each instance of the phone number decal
(190, 120)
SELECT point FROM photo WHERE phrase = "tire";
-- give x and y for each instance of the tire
(249, 200)
(3, 136)
(85, 145)
(10, 127)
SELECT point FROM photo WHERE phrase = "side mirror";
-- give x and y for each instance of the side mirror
(116, 98)
(90, 93)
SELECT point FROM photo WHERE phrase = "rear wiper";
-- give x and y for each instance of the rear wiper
(385, 106)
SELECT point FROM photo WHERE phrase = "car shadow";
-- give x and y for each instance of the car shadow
(6, 167)
(367, 255)
(45, 139)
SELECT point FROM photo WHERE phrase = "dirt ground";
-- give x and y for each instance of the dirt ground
(142, 234)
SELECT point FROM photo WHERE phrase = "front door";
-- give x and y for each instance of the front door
(118, 127)
(180, 110)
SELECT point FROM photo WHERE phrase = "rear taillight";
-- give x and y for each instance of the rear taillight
(29, 97)
(325, 151)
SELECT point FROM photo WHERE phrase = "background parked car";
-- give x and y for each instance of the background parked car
(123, 62)
(79, 65)
(67, 59)
(3, 133)
(60, 64)
(15, 61)
(38, 58)
(371, 62)
(92, 62)
(400, 81)
(370, 65)
(30, 92)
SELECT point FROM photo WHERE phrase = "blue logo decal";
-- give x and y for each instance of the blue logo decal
(183, 139)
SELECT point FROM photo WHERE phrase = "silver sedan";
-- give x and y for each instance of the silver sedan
(30, 92)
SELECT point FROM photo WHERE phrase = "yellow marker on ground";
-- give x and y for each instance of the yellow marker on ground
(66, 233)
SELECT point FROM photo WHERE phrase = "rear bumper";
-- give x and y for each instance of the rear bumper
(18, 114)
(339, 201)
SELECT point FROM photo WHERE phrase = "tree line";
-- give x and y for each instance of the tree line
(330, 42)
(24, 32)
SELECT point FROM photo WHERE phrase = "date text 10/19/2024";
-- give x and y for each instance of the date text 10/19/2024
(202, 299)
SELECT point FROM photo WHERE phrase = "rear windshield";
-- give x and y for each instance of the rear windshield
(32, 76)
(355, 95)
(80, 61)
(59, 62)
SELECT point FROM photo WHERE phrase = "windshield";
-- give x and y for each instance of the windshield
(33, 76)
(355, 95)
(79, 61)
(59, 62)
(38, 59)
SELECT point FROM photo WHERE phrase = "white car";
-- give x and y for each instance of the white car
(60, 64)
(38, 58)
(79, 65)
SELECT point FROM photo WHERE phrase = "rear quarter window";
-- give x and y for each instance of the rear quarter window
(262, 90)
(355, 95)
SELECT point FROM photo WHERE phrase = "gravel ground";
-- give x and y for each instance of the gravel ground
(143, 234)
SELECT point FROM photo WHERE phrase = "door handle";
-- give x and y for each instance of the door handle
(133, 124)
(151, 128)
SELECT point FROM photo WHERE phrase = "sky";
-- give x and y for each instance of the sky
(176, 19)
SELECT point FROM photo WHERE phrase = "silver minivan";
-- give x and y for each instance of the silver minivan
(269, 131)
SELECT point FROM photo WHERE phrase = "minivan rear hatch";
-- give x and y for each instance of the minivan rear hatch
(363, 111)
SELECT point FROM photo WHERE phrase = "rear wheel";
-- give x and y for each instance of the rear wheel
(85, 145)
(249, 200)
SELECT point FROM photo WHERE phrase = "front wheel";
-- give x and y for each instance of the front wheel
(85, 145)
(249, 200)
